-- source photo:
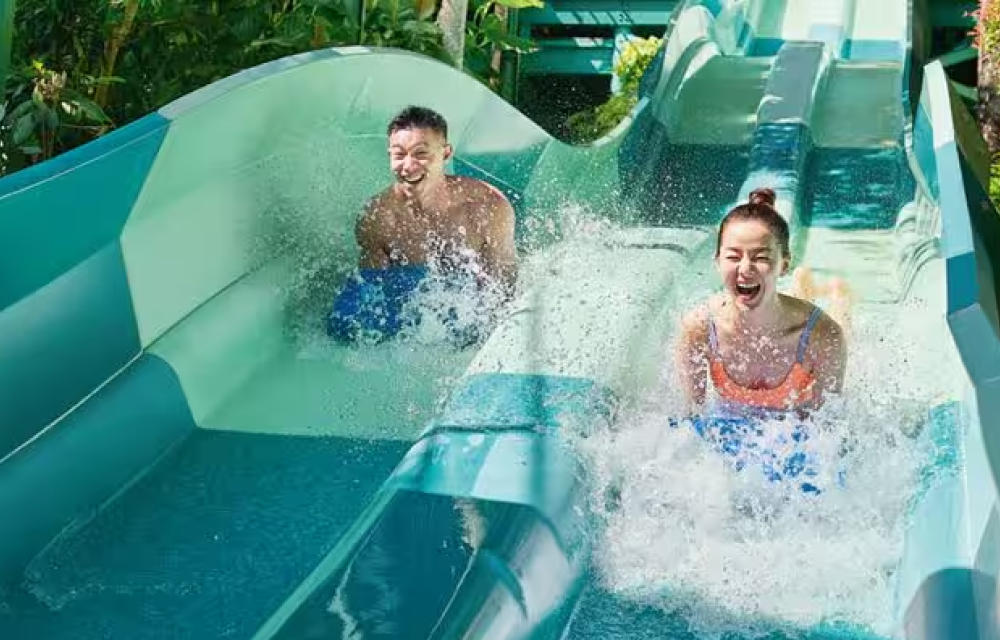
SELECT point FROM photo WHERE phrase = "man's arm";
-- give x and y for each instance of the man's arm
(499, 252)
(366, 232)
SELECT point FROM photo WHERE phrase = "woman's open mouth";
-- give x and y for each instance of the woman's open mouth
(747, 290)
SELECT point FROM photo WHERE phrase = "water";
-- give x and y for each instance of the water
(856, 188)
(691, 548)
(692, 545)
(212, 540)
(206, 544)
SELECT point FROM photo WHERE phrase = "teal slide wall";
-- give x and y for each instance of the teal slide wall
(183, 454)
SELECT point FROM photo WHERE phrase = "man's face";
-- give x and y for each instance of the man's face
(417, 157)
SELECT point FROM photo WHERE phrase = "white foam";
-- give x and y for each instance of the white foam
(732, 552)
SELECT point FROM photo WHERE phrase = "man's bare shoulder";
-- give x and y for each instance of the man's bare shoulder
(380, 208)
(479, 192)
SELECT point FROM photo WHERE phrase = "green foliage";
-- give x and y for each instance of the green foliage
(82, 67)
(49, 114)
(486, 34)
(987, 38)
(986, 32)
(995, 182)
(590, 124)
(635, 58)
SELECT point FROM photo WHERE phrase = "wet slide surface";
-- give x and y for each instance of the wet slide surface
(211, 536)
(206, 544)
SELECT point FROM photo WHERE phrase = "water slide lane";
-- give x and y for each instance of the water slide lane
(212, 468)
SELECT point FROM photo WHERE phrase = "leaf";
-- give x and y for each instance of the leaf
(107, 80)
(521, 4)
(425, 8)
(91, 110)
(476, 58)
(246, 27)
(24, 128)
(47, 118)
(418, 27)
(22, 109)
(178, 38)
(286, 43)
(36, 96)
(495, 32)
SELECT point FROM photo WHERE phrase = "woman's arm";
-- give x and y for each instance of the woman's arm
(691, 357)
(828, 351)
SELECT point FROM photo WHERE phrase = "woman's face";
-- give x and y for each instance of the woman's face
(750, 261)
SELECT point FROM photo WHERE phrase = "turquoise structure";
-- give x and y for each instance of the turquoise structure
(183, 454)
(581, 37)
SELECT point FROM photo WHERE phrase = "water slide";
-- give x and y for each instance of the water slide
(184, 454)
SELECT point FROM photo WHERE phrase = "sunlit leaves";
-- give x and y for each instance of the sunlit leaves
(62, 72)
(634, 59)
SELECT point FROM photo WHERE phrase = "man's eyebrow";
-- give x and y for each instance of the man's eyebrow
(419, 145)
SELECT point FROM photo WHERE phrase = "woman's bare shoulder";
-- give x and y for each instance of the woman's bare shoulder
(694, 322)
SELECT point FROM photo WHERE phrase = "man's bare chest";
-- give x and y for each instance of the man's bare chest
(418, 238)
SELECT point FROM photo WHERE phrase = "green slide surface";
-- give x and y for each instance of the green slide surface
(184, 453)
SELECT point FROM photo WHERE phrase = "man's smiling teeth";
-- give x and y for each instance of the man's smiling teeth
(747, 289)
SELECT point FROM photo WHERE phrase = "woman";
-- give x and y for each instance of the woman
(761, 352)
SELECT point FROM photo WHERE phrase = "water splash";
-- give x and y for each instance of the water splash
(730, 551)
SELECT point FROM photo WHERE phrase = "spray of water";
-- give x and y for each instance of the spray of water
(685, 532)
(731, 551)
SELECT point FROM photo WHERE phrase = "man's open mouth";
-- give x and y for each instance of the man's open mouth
(411, 180)
(747, 289)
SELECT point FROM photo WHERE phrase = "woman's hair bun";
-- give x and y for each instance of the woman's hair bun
(762, 195)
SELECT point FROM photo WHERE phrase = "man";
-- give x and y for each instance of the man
(460, 228)
(428, 218)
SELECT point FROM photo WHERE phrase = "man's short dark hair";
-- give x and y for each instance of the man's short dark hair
(414, 117)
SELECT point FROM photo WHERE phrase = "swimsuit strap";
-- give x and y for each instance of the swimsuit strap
(804, 338)
(713, 340)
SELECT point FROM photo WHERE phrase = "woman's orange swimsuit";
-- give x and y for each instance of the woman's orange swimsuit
(794, 391)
